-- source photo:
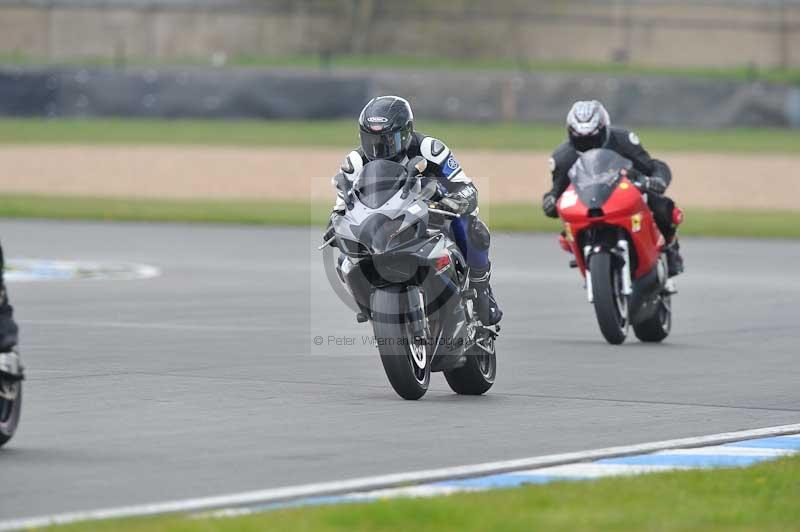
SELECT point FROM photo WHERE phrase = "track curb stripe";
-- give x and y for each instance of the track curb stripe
(431, 482)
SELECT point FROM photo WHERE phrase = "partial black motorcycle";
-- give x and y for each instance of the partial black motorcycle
(410, 280)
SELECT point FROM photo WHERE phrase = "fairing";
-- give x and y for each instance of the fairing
(596, 175)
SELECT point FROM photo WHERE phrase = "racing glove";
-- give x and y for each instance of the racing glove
(455, 203)
(549, 205)
(654, 185)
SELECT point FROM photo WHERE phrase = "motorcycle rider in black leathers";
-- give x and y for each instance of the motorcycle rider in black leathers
(386, 127)
(589, 127)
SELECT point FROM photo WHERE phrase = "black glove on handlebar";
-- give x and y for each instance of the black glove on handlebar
(549, 205)
(654, 185)
(455, 203)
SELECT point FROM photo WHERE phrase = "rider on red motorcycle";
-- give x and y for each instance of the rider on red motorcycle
(589, 127)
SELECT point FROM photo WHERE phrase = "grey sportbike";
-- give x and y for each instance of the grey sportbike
(406, 275)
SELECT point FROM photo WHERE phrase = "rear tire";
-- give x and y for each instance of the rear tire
(659, 326)
(610, 305)
(477, 374)
(405, 374)
(9, 416)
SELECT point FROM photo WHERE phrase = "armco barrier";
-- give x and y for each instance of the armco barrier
(452, 95)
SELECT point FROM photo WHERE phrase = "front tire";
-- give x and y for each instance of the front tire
(610, 304)
(659, 326)
(9, 416)
(407, 364)
(477, 374)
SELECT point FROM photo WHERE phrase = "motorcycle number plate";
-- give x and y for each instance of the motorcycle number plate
(569, 199)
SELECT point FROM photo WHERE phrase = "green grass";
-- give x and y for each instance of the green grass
(507, 217)
(284, 213)
(760, 498)
(343, 134)
(396, 61)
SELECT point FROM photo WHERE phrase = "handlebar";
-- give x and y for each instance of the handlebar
(443, 212)
(326, 243)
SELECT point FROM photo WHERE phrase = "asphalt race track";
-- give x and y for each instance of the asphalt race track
(206, 380)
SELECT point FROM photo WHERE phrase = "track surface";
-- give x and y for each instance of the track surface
(206, 380)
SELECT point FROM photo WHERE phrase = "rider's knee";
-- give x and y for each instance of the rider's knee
(662, 207)
(479, 235)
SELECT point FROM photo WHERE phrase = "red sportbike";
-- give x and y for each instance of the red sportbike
(618, 248)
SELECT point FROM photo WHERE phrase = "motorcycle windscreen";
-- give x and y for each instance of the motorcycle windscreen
(378, 181)
(596, 175)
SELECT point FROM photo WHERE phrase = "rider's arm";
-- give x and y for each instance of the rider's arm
(352, 163)
(443, 165)
(339, 206)
(632, 149)
(560, 162)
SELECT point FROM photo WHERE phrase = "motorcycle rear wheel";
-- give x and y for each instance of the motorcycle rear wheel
(659, 326)
(610, 304)
(477, 374)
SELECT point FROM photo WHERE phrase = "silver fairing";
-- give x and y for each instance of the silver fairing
(393, 217)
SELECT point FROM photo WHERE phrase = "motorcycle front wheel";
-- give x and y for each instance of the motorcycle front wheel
(406, 362)
(610, 304)
(10, 411)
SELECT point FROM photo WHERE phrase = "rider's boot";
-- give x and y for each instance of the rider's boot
(486, 305)
(674, 258)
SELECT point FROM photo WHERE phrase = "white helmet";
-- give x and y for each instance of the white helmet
(587, 125)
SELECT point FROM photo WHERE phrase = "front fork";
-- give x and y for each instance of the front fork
(623, 252)
(417, 319)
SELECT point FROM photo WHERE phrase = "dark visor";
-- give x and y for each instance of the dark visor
(589, 142)
(381, 146)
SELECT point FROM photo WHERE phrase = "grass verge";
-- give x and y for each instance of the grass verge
(759, 498)
(516, 217)
(343, 134)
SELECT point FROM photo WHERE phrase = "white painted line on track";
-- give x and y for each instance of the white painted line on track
(397, 480)
(720, 450)
(591, 470)
(35, 270)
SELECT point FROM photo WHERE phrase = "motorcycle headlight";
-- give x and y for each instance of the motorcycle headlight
(407, 235)
(353, 248)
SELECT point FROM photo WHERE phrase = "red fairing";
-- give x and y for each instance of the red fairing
(626, 209)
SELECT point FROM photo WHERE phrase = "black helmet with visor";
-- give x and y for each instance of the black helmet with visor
(386, 126)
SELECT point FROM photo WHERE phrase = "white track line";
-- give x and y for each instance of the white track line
(351, 486)
(590, 470)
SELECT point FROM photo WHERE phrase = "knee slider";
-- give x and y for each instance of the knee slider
(479, 235)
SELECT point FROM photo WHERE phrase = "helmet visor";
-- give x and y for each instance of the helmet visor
(381, 145)
(584, 143)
